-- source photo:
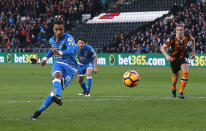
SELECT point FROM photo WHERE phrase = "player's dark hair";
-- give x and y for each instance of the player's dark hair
(58, 22)
(82, 39)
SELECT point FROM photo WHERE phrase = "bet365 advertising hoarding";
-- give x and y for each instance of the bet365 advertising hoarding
(107, 59)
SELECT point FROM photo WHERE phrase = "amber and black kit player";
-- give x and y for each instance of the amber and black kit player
(178, 58)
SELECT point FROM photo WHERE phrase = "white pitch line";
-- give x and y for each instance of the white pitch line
(93, 96)
(104, 99)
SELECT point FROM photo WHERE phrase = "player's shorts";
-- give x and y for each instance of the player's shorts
(83, 68)
(67, 71)
(175, 65)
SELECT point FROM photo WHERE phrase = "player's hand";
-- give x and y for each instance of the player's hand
(55, 51)
(192, 55)
(43, 62)
(95, 70)
(170, 59)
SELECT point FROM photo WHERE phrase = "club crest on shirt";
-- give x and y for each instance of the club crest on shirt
(70, 41)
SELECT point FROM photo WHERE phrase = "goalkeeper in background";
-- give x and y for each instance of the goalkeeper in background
(34, 58)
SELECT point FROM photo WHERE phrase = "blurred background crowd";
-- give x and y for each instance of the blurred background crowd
(150, 38)
(27, 24)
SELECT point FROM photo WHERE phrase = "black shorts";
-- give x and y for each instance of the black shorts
(175, 65)
(33, 61)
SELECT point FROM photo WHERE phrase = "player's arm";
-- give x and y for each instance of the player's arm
(70, 43)
(164, 51)
(193, 47)
(48, 55)
(69, 50)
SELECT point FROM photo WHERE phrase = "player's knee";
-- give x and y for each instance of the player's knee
(89, 74)
(58, 75)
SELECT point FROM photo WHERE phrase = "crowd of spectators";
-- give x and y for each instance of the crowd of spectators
(28, 23)
(150, 40)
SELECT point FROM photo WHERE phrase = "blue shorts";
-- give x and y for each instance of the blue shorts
(67, 71)
(83, 68)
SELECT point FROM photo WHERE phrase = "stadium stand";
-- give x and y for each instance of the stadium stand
(144, 5)
(101, 30)
(148, 38)
(128, 26)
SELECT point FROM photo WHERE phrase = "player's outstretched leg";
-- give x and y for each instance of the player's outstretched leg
(55, 96)
(48, 101)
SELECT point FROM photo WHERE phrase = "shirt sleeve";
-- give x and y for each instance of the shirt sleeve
(93, 52)
(168, 42)
(49, 54)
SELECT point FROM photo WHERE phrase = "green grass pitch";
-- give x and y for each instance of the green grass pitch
(111, 107)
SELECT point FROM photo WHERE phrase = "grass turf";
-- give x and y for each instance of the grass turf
(111, 107)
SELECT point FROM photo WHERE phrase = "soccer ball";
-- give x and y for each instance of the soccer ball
(131, 78)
